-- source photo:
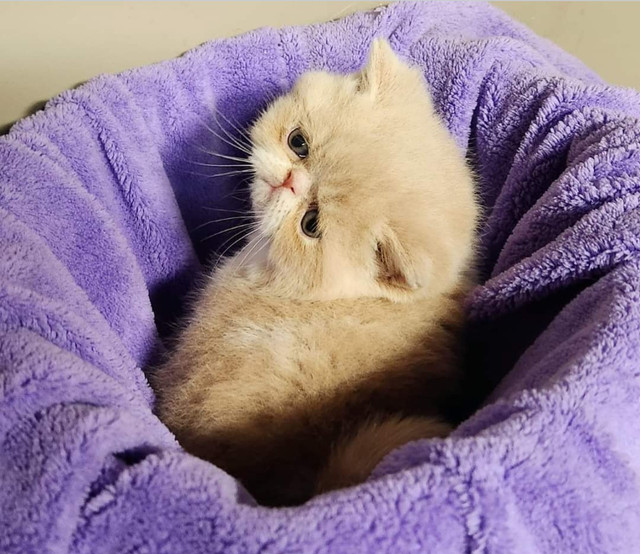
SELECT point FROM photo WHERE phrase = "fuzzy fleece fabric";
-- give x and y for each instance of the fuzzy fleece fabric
(102, 206)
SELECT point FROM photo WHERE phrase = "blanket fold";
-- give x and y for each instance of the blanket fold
(106, 223)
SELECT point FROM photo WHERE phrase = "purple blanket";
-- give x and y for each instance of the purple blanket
(102, 206)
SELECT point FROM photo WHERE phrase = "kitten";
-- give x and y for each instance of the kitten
(308, 362)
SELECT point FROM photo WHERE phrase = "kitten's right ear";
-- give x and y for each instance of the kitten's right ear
(395, 268)
(381, 71)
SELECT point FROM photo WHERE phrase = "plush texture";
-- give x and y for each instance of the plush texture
(99, 243)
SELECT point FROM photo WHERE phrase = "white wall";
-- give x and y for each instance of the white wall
(46, 47)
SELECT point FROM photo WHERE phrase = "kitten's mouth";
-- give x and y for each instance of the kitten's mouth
(269, 204)
(275, 193)
(267, 193)
(287, 183)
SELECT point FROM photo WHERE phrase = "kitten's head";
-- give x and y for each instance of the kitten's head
(359, 190)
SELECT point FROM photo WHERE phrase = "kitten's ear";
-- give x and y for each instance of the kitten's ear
(395, 268)
(381, 70)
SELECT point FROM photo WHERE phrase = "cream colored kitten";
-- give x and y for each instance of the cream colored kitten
(308, 362)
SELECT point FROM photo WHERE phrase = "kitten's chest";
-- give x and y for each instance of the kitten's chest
(310, 353)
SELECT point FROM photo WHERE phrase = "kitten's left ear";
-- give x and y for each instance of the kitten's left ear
(395, 268)
(382, 69)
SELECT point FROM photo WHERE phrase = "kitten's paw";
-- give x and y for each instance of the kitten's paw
(355, 456)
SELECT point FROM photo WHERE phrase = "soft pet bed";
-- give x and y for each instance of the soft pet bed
(101, 236)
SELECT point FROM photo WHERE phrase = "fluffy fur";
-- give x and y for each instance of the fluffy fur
(308, 359)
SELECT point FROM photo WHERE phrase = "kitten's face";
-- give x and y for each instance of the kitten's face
(359, 189)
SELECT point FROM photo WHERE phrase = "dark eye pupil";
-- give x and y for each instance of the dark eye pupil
(298, 144)
(309, 223)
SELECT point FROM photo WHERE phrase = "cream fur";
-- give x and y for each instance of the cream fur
(307, 360)
(354, 457)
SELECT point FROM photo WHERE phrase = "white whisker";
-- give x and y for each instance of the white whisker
(248, 211)
(222, 165)
(235, 235)
(221, 256)
(218, 155)
(237, 172)
(230, 195)
(207, 175)
(240, 199)
(236, 127)
(235, 218)
(264, 244)
(248, 226)
(235, 146)
(243, 138)
(232, 138)
(210, 176)
(250, 250)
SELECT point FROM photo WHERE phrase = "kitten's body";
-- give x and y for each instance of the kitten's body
(264, 387)
(303, 367)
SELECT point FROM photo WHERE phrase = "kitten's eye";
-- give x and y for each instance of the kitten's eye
(298, 143)
(309, 224)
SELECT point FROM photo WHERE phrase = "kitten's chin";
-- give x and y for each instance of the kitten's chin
(260, 195)
(271, 205)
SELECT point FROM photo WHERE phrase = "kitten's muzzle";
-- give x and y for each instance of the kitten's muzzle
(288, 183)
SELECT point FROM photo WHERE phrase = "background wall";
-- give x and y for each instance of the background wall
(604, 35)
(46, 47)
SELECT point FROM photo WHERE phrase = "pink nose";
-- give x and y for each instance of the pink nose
(287, 183)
